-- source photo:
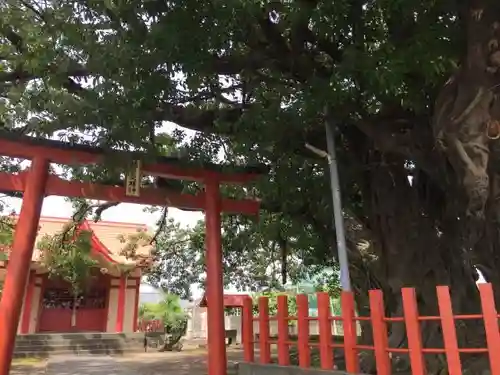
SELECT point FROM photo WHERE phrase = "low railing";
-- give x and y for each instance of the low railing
(379, 323)
(153, 325)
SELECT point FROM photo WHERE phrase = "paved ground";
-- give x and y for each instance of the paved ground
(183, 363)
(187, 363)
(86, 365)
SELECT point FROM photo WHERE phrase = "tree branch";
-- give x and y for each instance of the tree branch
(14, 38)
(24, 75)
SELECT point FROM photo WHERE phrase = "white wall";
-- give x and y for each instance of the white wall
(130, 305)
(112, 305)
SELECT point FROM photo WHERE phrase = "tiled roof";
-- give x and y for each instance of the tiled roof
(109, 234)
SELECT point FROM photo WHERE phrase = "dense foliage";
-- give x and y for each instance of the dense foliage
(7, 227)
(67, 255)
(170, 313)
(255, 256)
(168, 310)
(410, 85)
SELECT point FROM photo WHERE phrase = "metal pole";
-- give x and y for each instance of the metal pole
(345, 280)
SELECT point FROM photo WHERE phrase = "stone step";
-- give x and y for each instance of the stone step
(102, 343)
(23, 344)
(55, 348)
(44, 345)
(66, 351)
(76, 336)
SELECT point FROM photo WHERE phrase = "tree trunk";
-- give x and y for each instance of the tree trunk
(419, 243)
(423, 234)
(467, 110)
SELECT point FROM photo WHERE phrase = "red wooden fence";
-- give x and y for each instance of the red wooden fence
(379, 323)
(153, 325)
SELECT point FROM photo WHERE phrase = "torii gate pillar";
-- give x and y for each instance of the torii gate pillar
(20, 259)
(217, 362)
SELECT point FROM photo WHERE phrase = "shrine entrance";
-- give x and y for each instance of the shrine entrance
(37, 182)
(61, 312)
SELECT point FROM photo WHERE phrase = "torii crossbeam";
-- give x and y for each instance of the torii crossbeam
(37, 182)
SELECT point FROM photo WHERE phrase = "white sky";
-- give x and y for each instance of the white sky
(123, 213)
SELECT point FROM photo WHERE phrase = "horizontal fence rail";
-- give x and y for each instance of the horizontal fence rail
(326, 343)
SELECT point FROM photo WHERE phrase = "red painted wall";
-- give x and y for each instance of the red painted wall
(57, 307)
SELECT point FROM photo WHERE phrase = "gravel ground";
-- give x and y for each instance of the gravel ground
(183, 363)
(31, 369)
(191, 362)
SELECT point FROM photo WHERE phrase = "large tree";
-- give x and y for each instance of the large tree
(411, 86)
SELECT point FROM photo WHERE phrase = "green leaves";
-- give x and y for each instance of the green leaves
(252, 78)
(7, 227)
(253, 255)
(273, 302)
(67, 255)
(169, 311)
(178, 262)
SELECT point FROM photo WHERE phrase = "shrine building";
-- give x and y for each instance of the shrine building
(111, 298)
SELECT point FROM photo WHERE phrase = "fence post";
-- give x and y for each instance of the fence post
(379, 327)
(247, 331)
(350, 333)
(325, 331)
(283, 350)
(413, 331)
(449, 331)
(303, 331)
(490, 319)
(265, 347)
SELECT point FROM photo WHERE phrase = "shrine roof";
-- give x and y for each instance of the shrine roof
(107, 240)
(258, 169)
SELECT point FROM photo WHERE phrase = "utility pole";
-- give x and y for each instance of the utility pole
(345, 280)
(330, 155)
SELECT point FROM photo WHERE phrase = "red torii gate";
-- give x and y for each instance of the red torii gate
(38, 183)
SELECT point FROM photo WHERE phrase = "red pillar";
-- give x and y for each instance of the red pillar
(28, 303)
(121, 304)
(20, 259)
(214, 285)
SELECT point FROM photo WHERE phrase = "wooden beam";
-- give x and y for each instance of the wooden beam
(149, 196)
(80, 156)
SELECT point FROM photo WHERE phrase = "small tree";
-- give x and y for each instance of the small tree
(66, 255)
(145, 311)
(170, 312)
(7, 227)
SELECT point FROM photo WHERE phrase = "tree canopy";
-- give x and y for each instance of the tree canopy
(410, 86)
(257, 255)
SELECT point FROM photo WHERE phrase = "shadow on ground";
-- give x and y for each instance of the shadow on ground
(193, 362)
(183, 363)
